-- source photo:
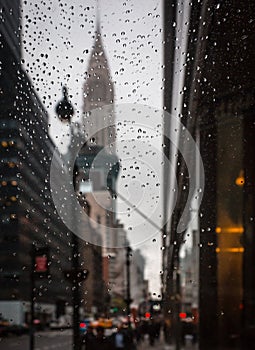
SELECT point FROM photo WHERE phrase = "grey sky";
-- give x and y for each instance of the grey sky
(57, 41)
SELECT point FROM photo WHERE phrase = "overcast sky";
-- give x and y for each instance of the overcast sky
(57, 41)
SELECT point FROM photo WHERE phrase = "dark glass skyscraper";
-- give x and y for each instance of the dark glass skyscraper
(27, 214)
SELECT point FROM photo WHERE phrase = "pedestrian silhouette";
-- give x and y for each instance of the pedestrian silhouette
(101, 341)
(88, 340)
(152, 330)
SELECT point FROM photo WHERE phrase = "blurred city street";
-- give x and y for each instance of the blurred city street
(50, 340)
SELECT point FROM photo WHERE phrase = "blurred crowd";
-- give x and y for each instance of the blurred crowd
(123, 336)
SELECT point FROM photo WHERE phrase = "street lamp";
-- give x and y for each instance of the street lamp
(65, 111)
(39, 269)
(64, 108)
(128, 298)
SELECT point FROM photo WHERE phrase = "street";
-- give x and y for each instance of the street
(63, 340)
(43, 341)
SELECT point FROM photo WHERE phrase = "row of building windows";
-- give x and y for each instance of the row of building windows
(5, 183)
(6, 143)
(6, 219)
(10, 164)
(11, 198)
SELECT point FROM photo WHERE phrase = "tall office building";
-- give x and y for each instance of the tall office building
(27, 214)
(99, 116)
(99, 97)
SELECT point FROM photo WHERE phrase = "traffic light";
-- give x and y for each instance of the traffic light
(182, 315)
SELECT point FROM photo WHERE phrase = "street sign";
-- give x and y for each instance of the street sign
(41, 263)
(40, 257)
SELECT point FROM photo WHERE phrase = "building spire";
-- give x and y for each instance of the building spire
(97, 17)
(99, 89)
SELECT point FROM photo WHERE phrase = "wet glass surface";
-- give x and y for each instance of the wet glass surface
(127, 174)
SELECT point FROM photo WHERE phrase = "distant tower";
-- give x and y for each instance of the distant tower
(99, 92)
(98, 108)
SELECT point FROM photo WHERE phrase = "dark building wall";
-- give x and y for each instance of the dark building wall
(227, 94)
(229, 218)
(10, 25)
(208, 316)
(27, 213)
(249, 229)
(219, 105)
(225, 89)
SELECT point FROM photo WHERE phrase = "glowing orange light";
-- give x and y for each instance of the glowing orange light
(11, 164)
(229, 250)
(4, 144)
(229, 230)
(240, 179)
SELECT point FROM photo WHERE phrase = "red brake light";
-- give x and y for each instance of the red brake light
(82, 325)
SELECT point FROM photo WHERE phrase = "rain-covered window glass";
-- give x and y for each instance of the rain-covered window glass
(127, 174)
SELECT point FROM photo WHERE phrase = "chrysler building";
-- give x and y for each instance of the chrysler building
(98, 97)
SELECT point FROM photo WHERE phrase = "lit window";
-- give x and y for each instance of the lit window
(4, 144)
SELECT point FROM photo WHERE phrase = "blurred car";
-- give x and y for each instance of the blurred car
(17, 329)
(102, 322)
(106, 323)
(4, 324)
(7, 328)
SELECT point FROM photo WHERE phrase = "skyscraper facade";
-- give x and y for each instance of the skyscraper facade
(27, 215)
(217, 107)
(98, 102)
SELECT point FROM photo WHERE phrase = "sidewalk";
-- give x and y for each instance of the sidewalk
(161, 345)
